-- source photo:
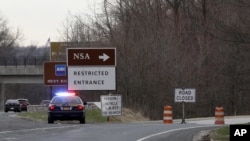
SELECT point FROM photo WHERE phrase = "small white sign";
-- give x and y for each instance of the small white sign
(184, 95)
(111, 105)
(91, 78)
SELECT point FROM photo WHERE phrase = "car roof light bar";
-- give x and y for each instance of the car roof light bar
(65, 94)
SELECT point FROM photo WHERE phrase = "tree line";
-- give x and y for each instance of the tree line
(167, 44)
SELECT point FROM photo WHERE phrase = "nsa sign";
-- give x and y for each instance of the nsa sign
(91, 68)
(91, 78)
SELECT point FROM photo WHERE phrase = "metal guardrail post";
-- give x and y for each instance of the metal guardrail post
(25, 61)
(35, 61)
(15, 61)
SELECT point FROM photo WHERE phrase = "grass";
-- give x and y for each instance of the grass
(92, 116)
(39, 116)
(221, 134)
(95, 116)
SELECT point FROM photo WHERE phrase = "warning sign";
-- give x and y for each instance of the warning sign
(184, 95)
(111, 105)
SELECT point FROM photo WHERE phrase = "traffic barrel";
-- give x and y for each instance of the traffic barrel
(167, 115)
(219, 115)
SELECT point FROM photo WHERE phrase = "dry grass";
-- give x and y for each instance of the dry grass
(129, 116)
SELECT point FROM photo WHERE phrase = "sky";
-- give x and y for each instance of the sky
(39, 20)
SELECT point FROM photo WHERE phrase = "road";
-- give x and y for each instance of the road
(14, 128)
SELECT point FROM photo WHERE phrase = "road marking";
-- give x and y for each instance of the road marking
(5, 132)
(168, 131)
(9, 139)
(34, 129)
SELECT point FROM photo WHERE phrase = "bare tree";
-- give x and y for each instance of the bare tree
(7, 37)
(165, 44)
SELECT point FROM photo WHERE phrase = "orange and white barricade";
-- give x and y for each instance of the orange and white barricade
(167, 115)
(219, 115)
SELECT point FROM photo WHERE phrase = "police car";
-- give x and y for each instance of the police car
(66, 106)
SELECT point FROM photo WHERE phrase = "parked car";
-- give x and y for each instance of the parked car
(24, 104)
(12, 105)
(45, 102)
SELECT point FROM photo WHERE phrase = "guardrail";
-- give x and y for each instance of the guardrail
(37, 108)
(44, 108)
(23, 61)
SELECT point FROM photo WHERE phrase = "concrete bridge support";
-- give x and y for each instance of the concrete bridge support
(18, 74)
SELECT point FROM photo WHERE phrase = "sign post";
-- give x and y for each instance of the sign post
(95, 69)
(184, 95)
(183, 113)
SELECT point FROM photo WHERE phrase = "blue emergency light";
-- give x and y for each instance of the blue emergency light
(65, 94)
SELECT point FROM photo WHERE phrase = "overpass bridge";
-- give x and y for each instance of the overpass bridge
(20, 70)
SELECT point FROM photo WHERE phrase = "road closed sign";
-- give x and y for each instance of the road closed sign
(111, 105)
(184, 95)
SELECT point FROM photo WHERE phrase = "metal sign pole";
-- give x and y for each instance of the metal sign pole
(51, 92)
(107, 118)
(183, 113)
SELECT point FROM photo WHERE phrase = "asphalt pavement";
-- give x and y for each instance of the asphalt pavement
(14, 128)
(227, 119)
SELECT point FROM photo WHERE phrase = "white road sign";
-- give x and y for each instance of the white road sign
(91, 78)
(111, 105)
(184, 95)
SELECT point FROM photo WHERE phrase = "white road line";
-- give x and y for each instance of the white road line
(3, 132)
(9, 139)
(34, 129)
(168, 131)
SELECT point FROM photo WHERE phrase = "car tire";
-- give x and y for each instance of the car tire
(82, 120)
(6, 111)
(50, 120)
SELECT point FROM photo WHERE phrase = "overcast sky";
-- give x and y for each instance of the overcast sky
(39, 20)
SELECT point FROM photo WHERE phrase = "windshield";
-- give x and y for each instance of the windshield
(66, 99)
(11, 101)
(23, 101)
